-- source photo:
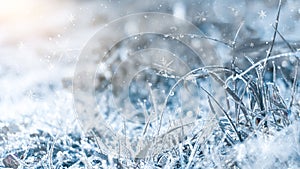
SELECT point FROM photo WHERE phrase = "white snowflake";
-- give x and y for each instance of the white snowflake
(21, 45)
(164, 66)
(200, 17)
(71, 18)
(262, 14)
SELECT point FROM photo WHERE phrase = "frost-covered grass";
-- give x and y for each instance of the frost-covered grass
(249, 105)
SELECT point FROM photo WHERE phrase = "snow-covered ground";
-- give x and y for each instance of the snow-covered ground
(41, 42)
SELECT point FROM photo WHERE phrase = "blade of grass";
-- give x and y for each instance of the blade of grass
(231, 93)
(285, 41)
(230, 139)
(236, 35)
(186, 76)
(225, 113)
(239, 76)
(274, 37)
(293, 92)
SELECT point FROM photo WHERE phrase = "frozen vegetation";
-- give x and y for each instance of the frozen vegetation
(215, 85)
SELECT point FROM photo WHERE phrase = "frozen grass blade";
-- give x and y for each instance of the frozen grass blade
(274, 37)
(231, 93)
(225, 113)
(294, 85)
(240, 75)
(284, 40)
(236, 35)
(212, 39)
(230, 139)
(187, 76)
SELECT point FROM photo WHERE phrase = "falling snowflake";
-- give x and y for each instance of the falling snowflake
(164, 66)
(71, 18)
(262, 14)
(235, 11)
(201, 16)
(21, 45)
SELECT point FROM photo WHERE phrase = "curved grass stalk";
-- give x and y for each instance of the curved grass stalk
(225, 113)
(239, 76)
(186, 76)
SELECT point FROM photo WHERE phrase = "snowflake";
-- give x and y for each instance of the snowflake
(235, 11)
(21, 45)
(71, 18)
(200, 17)
(164, 66)
(262, 14)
